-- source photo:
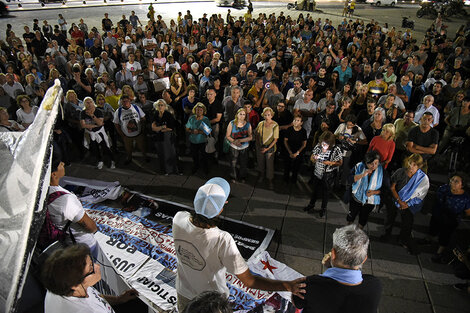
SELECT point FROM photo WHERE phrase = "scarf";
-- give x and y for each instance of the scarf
(344, 275)
(374, 182)
(414, 191)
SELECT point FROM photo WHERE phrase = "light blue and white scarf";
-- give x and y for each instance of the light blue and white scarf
(344, 275)
(414, 191)
(374, 182)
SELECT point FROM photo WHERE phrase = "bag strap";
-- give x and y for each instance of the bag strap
(67, 226)
(53, 196)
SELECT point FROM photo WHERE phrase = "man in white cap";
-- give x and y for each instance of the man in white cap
(205, 253)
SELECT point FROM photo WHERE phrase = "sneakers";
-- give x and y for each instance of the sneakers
(113, 165)
(99, 165)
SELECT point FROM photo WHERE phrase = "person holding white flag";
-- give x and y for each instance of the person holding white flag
(206, 253)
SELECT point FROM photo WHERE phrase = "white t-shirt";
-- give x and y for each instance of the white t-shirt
(343, 130)
(28, 118)
(204, 256)
(94, 303)
(129, 120)
(301, 105)
(291, 95)
(68, 208)
(11, 90)
(134, 66)
(147, 41)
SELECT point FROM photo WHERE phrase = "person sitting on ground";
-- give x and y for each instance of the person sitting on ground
(198, 239)
(343, 287)
(69, 276)
(64, 207)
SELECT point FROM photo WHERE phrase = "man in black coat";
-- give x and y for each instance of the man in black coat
(343, 287)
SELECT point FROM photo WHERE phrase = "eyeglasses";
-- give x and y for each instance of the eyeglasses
(92, 270)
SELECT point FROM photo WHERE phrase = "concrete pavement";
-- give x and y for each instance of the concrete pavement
(411, 283)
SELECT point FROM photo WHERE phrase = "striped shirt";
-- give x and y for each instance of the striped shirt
(333, 155)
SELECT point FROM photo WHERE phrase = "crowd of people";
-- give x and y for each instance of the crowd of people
(359, 105)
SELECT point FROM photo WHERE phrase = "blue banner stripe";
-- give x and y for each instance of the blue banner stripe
(241, 299)
(136, 219)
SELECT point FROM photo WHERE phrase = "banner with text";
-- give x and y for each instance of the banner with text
(251, 239)
(142, 252)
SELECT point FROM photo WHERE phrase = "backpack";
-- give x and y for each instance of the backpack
(50, 232)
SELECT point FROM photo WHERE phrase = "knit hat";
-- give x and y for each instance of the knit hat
(210, 198)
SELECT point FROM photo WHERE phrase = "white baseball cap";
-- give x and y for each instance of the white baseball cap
(210, 197)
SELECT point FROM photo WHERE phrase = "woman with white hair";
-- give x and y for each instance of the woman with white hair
(95, 137)
(373, 126)
(163, 126)
(266, 134)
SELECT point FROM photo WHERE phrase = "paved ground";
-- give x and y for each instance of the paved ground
(411, 283)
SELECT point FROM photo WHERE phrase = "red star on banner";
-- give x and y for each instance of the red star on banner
(268, 266)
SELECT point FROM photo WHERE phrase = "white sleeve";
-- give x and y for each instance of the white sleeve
(18, 116)
(297, 105)
(340, 129)
(230, 256)
(73, 209)
(116, 117)
(141, 113)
